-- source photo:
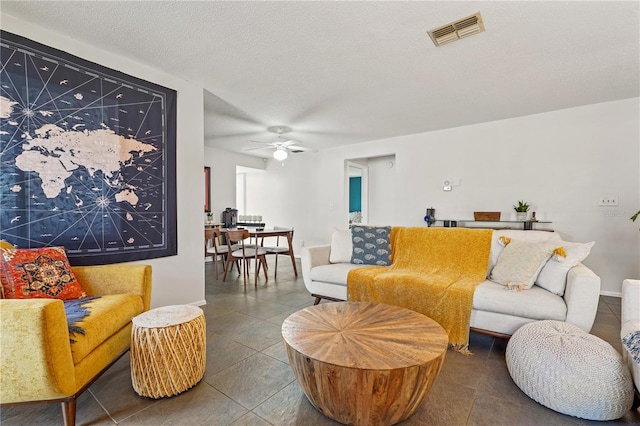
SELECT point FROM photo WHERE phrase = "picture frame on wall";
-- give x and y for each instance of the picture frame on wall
(207, 189)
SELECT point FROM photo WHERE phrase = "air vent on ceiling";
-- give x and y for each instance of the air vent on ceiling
(456, 30)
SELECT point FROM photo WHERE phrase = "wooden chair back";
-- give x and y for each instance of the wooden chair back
(236, 236)
(209, 236)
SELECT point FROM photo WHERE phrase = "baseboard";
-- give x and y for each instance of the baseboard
(611, 293)
(198, 303)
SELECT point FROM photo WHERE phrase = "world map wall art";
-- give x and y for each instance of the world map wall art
(87, 157)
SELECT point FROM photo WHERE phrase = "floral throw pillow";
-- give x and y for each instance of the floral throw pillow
(38, 273)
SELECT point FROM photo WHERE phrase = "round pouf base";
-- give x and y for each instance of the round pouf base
(570, 371)
(168, 350)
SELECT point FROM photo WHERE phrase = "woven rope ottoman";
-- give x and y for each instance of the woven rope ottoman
(570, 371)
(168, 350)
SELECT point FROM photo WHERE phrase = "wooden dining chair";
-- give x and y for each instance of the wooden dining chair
(213, 248)
(238, 251)
(282, 250)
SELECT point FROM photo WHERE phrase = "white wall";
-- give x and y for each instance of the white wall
(223, 177)
(176, 279)
(382, 189)
(562, 162)
(281, 194)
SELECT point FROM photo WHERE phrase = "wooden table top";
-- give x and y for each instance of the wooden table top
(365, 335)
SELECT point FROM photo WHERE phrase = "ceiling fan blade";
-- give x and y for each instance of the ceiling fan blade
(298, 148)
(261, 142)
(258, 147)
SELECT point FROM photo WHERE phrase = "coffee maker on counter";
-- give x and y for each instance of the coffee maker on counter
(430, 216)
(230, 217)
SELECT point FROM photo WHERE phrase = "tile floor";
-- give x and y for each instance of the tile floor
(248, 380)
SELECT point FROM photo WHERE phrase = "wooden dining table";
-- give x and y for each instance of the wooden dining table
(259, 233)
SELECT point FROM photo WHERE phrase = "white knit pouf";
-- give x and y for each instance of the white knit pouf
(575, 373)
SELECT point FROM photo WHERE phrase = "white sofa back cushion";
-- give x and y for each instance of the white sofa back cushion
(341, 246)
(553, 276)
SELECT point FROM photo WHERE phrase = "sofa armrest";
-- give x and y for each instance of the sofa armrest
(36, 362)
(116, 279)
(630, 301)
(313, 256)
(581, 296)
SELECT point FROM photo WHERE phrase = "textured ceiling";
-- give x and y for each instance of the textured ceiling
(347, 72)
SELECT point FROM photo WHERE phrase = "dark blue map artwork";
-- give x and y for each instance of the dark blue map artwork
(87, 157)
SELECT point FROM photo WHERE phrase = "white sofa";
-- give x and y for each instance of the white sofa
(630, 322)
(495, 310)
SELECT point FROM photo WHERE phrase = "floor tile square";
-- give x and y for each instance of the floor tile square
(253, 380)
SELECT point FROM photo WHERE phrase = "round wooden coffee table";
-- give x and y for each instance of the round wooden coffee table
(364, 363)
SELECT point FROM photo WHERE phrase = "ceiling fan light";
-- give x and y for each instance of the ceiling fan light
(280, 154)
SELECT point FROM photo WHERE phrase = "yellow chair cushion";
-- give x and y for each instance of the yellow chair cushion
(108, 314)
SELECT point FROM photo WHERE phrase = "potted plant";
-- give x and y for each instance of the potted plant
(521, 210)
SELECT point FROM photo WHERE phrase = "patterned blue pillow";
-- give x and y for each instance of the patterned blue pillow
(371, 245)
(632, 342)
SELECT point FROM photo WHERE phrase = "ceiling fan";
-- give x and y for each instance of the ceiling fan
(281, 144)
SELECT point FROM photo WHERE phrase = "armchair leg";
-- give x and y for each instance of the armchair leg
(69, 412)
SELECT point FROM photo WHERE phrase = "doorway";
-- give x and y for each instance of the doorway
(370, 187)
(357, 193)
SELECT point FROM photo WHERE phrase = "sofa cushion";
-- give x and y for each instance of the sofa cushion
(333, 274)
(108, 314)
(38, 273)
(520, 263)
(535, 303)
(371, 245)
(341, 246)
(553, 276)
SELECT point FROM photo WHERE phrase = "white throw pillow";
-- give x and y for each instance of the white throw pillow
(521, 235)
(341, 246)
(520, 263)
(553, 276)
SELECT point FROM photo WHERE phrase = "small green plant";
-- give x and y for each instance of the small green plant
(522, 207)
(635, 216)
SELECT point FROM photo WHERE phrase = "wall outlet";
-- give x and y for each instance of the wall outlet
(608, 201)
(301, 243)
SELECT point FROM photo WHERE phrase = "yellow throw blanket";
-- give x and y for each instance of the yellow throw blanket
(435, 271)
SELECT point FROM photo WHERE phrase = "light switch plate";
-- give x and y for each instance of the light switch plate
(608, 201)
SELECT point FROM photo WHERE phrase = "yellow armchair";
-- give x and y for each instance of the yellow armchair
(38, 360)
